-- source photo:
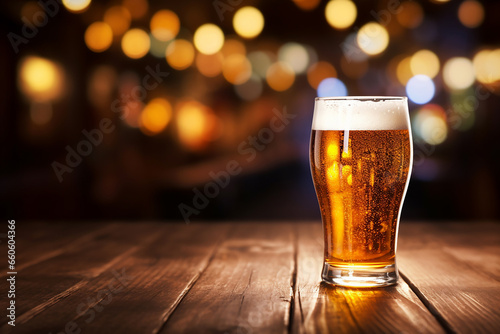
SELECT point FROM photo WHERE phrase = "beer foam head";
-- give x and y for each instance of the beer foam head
(361, 113)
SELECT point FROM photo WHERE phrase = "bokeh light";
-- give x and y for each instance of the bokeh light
(260, 62)
(236, 69)
(373, 38)
(307, 4)
(157, 48)
(248, 22)
(487, 66)
(429, 124)
(458, 73)
(76, 6)
(251, 89)
(41, 113)
(331, 87)
(420, 89)
(180, 54)
(295, 55)
(137, 8)
(196, 124)
(425, 62)
(320, 71)
(40, 79)
(280, 76)
(233, 46)
(340, 14)
(118, 18)
(165, 25)
(135, 43)
(208, 38)
(471, 13)
(403, 70)
(102, 82)
(209, 65)
(155, 116)
(98, 36)
(410, 14)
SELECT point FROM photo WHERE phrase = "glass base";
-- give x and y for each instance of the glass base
(357, 276)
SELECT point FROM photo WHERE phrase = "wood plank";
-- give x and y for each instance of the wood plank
(245, 289)
(321, 308)
(454, 270)
(156, 277)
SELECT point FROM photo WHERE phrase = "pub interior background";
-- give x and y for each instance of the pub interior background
(126, 109)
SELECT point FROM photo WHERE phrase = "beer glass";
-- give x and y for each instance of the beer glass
(361, 157)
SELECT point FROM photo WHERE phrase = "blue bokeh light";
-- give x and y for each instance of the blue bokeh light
(331, 87)
(420, 89)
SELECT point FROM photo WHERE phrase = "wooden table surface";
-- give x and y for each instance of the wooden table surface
(244, 278)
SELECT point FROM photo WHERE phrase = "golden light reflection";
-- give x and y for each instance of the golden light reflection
(155, 116)
(248, 22)
(237, 69)
(425, 62)
(403, 71)
(135, 43)
(233, 46)
(458, 73)
(372, 38)
(410, 15)
(471, 13)
(180, 54)
(40, 79)
(76, 6)
(320, 71)
(196, 124)
(487, 66)
(280, 76)
(307, 4)
(209, 65)
(165, 25)
(98, 36)
(208, 38)
(137, 8)
(118, 18)
(340, 14)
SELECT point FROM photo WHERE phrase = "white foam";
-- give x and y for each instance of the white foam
(361, 113)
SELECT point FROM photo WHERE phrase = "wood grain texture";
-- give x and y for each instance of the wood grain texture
(328, 309)
(454, 269)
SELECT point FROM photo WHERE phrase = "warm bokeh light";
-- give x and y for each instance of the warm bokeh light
(458, 73)
(353, 69)
(29, 9)
(429, 124)
(250, 90)
(331, 87)
(118, 18)
(101, 84)
(208, 39)
(98, 36)
(196, 124)
(137, 8)
(403, 70)
(76, 6)
(260, 62)
(307, 4)
(280, 76)
(320, 71)
(155, 116)
(41, 113)
(209, 65)
(487, 66)
(341, 14)
(165, 25)
(425, 62)
(372, 38)
(248, 22)
(420, 89)
(410, 14)
(237, 69)
(180, 54)
(40, 79)
(471, 13)
(157, 48)
(295, 55)
(233, 46)
(135, 43)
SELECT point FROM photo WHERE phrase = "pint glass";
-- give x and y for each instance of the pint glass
(361, 157)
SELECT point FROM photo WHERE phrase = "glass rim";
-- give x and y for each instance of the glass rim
(361, 98)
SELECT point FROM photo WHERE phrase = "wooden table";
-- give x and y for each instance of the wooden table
(244, 278)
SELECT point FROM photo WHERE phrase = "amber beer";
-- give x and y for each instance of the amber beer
(361, 156)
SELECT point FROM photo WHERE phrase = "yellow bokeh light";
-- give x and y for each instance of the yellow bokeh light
(98, 36)
(209, 65)
(307, 4)
(195, 124)
(320, 71)
(237, 69)
(248, 22)
(137, 8)
(40, 79)
(295, 55)
(425, 62)
(340, 14)
(372, 38)
(280, 76)
(233, 46)
(118, 18)
(180, 54)
(410, 15)
(165, 25)
(487, 66)
(208, 38)
(458, 73)
(135, 43)
(76, 6)
(429, 124)
(403, 71)
(471, 13)
(155, 116)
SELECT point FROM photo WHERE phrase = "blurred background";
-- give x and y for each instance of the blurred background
(148, 109)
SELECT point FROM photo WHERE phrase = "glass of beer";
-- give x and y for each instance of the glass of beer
(361, 157)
